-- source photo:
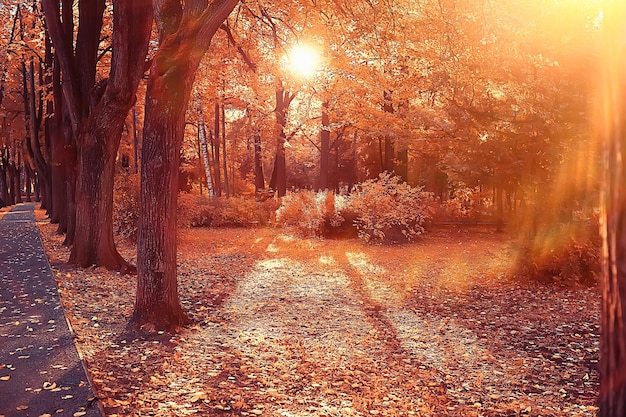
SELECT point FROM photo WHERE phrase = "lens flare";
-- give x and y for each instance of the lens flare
(303, 60)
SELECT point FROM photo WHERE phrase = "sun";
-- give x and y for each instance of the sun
(303, 60)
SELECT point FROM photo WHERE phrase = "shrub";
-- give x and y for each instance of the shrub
(236, 211)
(390, 210)
(126, 205)
(304, 213)
(465, 202)
(567, 253)
(188, 208)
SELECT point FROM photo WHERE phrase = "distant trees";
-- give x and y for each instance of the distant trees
(448, 95)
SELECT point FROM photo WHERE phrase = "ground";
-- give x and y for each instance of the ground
(286, 326)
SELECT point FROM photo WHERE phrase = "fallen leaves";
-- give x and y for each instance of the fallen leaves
(198, 396)
(49, 386)
(403, 330)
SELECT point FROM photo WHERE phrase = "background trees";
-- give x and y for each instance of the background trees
(487, 99)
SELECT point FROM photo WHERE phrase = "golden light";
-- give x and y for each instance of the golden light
(303, 60)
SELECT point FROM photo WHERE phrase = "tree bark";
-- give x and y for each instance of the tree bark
(215, 143)
(259, 178)
(135, 144)
(101, 135)
(224, 156)
(185, 35)
(4, 184)
(324, 148)
(278, 181)
(204, 151)
(612, 399)
(388, 162)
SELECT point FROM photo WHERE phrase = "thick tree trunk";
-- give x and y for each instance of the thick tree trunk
(100, 137)
(613, 337)
(612, 399)
(93, 238)
(157, 304)
(182, 46)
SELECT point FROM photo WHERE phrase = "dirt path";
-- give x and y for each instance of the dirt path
(292, 327)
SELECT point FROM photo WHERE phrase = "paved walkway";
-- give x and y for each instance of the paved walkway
(40, 369)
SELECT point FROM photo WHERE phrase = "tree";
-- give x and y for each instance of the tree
(185, 33)
(613, 130)
(97, 111)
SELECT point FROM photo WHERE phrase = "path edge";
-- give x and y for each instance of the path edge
(81, 357)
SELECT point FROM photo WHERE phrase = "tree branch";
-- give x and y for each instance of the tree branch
(244, 55)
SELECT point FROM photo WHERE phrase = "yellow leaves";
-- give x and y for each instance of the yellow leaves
(49, 386)
(5, 378)
(112, 402)
(198, 396)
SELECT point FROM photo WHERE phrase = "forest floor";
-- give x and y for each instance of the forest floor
(285, 326)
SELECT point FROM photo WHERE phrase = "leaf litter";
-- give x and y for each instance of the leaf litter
(299, 327)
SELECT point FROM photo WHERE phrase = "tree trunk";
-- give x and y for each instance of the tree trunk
(224, 158)
(70, 193)
(4, 183)
(612, 399)
(100, 137)
(135, 143)
(402, 167)
(278, 181)
(215, 143)
(499, 195)
(28, 182)
(389, 164)
(182, 46)
(157, 303)
(324, 148)
(259, 178)
(204, 151)
(93, 239)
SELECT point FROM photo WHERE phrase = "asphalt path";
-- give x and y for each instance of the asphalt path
(41, 373)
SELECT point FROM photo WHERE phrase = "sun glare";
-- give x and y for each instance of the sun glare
(303, 60)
